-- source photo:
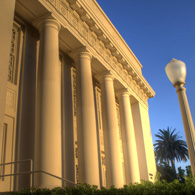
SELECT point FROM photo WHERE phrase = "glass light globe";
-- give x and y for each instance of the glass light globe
(176, 71)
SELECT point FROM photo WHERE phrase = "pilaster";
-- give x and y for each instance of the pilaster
(146, 158)
(6, 15)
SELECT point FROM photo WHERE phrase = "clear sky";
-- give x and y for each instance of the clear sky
(157, 31)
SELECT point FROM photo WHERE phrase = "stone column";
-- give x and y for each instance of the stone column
(128, 138)
(87, 134)
(111, 133)
(48, 132)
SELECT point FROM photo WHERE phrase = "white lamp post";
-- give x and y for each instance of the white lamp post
(176, 72)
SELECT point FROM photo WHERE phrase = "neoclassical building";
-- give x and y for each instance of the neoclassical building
(73, 100)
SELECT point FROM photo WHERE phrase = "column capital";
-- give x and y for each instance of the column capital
(46, 20)
(122, 92)
(82, 52)
(105, 76)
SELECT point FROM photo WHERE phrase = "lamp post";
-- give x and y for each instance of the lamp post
(176, 72)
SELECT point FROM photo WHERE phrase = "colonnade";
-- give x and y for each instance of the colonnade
(48, 153)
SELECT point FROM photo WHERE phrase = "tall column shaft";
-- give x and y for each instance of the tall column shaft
(111, 133)
(128, 135)
(48, 133)
(87, 134)
(188, 124)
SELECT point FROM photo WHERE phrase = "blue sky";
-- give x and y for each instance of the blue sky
(157, 31)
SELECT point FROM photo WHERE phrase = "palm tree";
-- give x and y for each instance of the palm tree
(169, 147)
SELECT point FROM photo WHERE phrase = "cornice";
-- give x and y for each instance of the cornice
(82, 24)
(116, 46)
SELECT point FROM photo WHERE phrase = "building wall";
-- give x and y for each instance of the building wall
(143, 136)
(8, 137)
(30, 135)
(6, 9)
(150, 158)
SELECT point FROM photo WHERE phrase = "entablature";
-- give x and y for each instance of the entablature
(78, 18)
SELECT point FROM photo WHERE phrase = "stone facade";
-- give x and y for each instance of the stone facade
(73, 102)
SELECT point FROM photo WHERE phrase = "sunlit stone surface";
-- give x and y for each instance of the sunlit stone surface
(73, 100)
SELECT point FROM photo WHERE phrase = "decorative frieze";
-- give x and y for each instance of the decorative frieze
(92, 38)
(52, 1)
(11, 99)
(12, 68)
(64, 10)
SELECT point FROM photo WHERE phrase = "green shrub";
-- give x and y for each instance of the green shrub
(144, 188)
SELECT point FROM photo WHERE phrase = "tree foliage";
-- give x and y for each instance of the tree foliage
(169, 147)
(166, 173)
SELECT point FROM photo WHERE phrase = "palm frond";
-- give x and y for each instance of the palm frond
(170, 146)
